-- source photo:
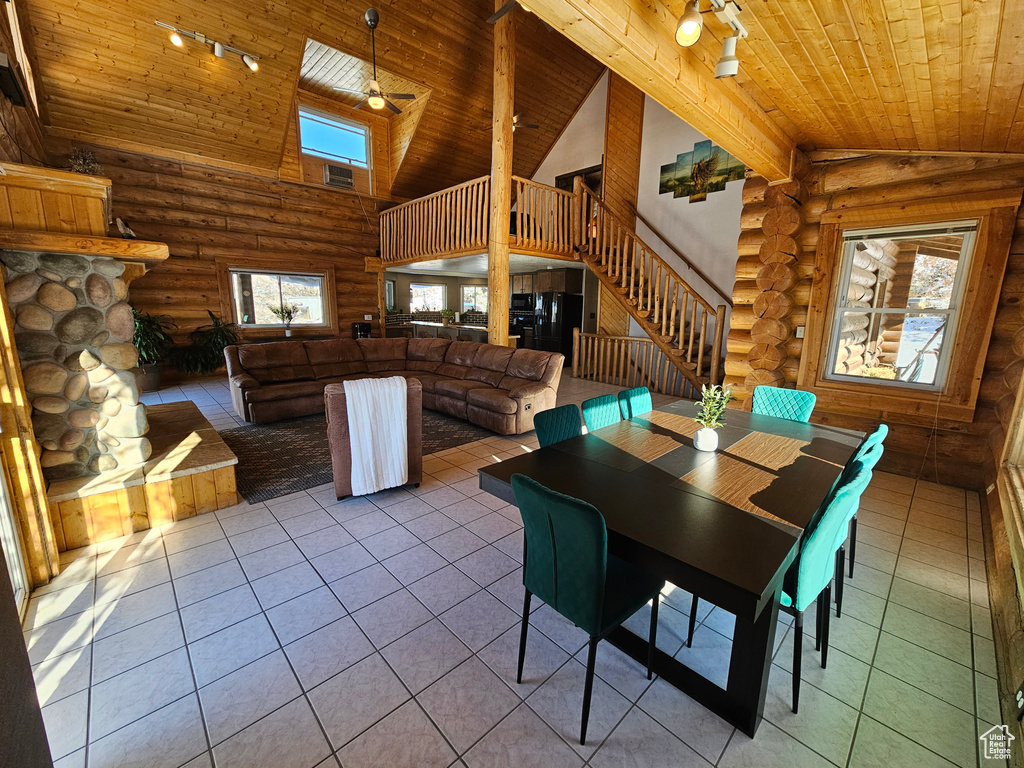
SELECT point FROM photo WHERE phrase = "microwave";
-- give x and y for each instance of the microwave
(522, 302)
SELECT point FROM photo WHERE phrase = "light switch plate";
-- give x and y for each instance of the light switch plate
(799, 331)
(367, 317)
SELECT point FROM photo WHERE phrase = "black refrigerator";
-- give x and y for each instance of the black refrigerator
(555, 316)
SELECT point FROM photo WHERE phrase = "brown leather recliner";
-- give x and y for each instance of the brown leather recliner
(495, 387)
(338, 435)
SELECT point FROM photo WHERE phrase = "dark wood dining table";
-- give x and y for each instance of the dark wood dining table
(723, 525)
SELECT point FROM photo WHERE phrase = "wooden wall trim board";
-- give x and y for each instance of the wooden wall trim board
(919, 443)
(25, 143)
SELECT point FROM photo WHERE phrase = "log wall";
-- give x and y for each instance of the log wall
(958, 451)
(201, 212)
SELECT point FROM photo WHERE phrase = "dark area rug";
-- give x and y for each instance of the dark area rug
(291, 455)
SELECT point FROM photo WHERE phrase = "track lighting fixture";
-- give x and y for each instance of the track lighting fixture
(218, 49)
(690, 25)
(728, 65)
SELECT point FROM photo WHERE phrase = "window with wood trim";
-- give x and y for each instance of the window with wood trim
(868, 349)
(334, 138)
(474, 298)
(427, 297)
(897, 304)
(262, 299)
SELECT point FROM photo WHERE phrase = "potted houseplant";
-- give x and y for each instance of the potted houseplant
(446, 316)
(712, 404)
(152, 340)
(205, 352)
(285, 313)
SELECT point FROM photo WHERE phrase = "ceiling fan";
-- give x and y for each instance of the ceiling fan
(375, 97)
(517, 122)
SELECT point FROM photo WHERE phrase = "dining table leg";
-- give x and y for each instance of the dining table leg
(741, 702)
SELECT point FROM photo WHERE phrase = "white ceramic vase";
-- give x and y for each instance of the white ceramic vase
(705, 439)
(287, 332)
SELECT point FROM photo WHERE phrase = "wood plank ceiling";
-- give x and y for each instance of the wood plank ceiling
(916, 75)
(108, 74)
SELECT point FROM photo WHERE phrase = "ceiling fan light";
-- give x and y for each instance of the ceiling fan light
(251, 62)
(728, 65)
(176, 40)
(690, 25)
(375, 101)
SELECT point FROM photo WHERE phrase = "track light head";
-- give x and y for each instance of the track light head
(690, 25)
(218, 50)
(176, 40)
(728, 65)
(251, 62)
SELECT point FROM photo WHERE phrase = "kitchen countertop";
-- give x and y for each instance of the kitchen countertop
(450, 325)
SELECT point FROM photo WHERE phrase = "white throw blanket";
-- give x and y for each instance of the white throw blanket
(378, 433)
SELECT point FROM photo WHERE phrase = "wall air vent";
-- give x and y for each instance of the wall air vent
(338, 176)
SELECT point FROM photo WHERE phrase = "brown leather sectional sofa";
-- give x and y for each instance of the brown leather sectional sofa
(495, 387)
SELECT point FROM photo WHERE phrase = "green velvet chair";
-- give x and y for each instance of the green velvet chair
(875, 438)
(569, 568)
(792, 404)
(810, 578)
(635, 402)
(557, 424)
(601, 412)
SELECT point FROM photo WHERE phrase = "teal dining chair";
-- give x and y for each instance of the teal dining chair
(792, 404)
(569, 568)
(809, 580)
(875, 438)
(635, 402)
(557, 424)
(601, 412)
(866, 457)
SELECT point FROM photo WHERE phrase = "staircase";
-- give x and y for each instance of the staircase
(673, 315)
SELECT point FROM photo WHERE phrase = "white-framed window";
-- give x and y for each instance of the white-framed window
(256, 294)
(474, 298)
(426, 297)
(334, 138)
(898, 297)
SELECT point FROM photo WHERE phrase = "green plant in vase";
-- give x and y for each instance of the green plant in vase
(205, 353)
(153, 342)
(447, 315)
(713, 401)
(285, 313)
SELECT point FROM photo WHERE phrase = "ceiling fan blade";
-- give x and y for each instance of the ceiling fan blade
(360, 105)
(392, 107)
(528, 125)
(401, 95)
(349, 90)
(502, 11)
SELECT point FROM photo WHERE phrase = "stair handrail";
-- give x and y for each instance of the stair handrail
(682, 257)
(632, 229)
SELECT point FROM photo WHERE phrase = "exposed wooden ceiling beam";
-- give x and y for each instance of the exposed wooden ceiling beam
(635, 38)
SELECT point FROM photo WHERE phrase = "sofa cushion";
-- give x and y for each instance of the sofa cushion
(284, 391)
(384, 354)
(462, 353)
(456, 388)
(496, 400)
(335, 357)
(529, 364)
(489, 364)
(428, 380)
(426, 354)
(276, 361)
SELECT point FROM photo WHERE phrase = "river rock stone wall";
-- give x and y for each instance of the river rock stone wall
(73, 331)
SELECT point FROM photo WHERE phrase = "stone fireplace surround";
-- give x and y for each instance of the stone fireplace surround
(73, 331)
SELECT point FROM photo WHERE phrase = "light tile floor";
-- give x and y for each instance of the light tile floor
(382, 631)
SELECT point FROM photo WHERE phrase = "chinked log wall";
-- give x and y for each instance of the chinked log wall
(961, 450)
(203, 212)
